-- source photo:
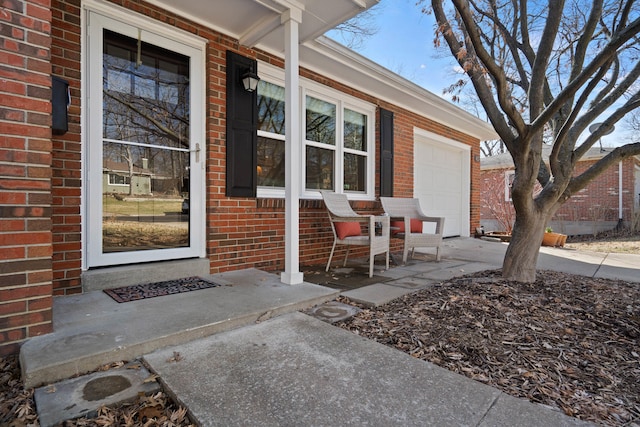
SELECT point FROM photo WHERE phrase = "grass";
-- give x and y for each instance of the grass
(131, 235)
(626, 242)
(113, 206)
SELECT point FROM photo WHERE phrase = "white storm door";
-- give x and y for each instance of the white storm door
(145, 143)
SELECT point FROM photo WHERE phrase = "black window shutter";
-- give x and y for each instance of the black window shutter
(386, 153)
(242, 136)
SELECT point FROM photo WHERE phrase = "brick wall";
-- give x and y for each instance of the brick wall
(599, 201)
(25, 174)
(66, 171)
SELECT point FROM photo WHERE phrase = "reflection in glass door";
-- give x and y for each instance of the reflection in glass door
(143, 157)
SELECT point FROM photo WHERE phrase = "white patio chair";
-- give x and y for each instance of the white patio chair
(347, 229)
(408, 209)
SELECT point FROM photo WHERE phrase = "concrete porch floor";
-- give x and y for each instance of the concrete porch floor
(91, 329)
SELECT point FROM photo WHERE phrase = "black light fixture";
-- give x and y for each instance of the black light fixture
(250, 80)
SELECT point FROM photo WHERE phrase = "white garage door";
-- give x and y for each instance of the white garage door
(441, 180)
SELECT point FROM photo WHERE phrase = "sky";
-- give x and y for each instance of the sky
(403, 44)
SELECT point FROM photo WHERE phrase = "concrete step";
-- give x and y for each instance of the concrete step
(127, 275)
(91, 329)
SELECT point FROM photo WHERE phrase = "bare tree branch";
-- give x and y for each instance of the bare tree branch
(587, 73)
(544, 73)
(499, 77)
(617, 155)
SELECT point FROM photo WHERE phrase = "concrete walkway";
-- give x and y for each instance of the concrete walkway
(247, 357)
(295, 370)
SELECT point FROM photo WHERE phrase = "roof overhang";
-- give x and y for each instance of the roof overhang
(257, 23)
(505, 161)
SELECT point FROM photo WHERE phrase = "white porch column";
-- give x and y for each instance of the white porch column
(291, 275)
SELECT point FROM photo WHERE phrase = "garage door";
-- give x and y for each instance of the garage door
(441, 180)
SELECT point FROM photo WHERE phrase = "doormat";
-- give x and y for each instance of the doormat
(158, 289)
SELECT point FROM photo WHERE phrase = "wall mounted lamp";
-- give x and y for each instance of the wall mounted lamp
(250, 80)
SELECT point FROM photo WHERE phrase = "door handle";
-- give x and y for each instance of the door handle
(197, 151)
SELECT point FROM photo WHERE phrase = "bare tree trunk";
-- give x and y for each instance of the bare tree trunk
(521, 257)
(129, 158)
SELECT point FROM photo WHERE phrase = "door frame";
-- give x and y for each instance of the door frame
(96, 16)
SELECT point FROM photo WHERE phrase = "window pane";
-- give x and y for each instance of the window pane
(319, 169)
(118, 179)
(354, 172)
(146, 102)
(355, 130)
(270, 108)
(321, 121)
(270, 162)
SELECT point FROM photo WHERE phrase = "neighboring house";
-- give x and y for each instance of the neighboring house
(166, 84)
(610, 200)
(119, 179)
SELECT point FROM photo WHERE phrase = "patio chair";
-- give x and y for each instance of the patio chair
(347, 229)
(412, 219)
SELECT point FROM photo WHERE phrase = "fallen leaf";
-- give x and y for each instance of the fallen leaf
(149, 413)
(175, 358)
(151, 378)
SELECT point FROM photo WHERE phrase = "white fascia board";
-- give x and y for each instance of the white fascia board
(505, 161)
(340, 63)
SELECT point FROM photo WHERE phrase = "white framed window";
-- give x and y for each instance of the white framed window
(115, 179)
(509, 176)
(270, 135)
(337, 132)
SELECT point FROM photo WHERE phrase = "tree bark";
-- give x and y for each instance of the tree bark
(521, 257)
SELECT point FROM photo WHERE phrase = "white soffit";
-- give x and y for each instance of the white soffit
(256, 23)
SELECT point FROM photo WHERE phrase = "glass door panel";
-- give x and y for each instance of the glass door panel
(145, 205)
(145, 146)
(145, 197)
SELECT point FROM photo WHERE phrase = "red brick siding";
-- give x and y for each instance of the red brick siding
(598, 201)
(25, 174)
(240, 233)
(66, 168)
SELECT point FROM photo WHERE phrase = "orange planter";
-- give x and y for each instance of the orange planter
(554, 239)
(562, 240)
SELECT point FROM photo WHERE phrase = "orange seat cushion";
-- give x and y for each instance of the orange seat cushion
(416, 226)
(346, 229)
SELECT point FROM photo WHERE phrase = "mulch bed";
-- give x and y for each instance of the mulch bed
(567, 341)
